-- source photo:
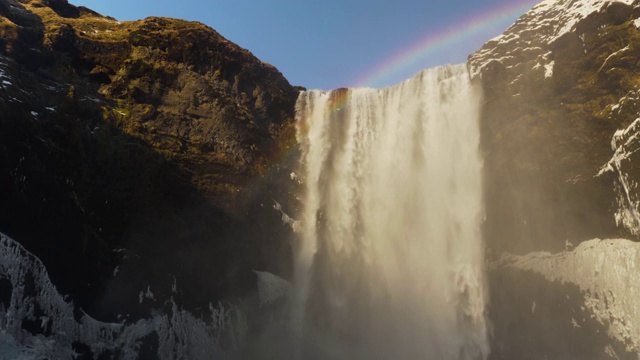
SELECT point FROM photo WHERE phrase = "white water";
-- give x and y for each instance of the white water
(389, 264)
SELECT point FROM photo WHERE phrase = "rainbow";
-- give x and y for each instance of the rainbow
(436, 41)
(425, 46)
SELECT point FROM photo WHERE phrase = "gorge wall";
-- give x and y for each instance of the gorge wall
(559, 129)
(558, 84)
(137, 154)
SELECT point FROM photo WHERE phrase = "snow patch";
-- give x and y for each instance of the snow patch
(89, 98)
(180, 334)
(542, 25)
(271, 287)
(606, 271)
(295, 225)
(149, 294)
(625, 143)
(615, 53)
(548, 70)
(50, 88)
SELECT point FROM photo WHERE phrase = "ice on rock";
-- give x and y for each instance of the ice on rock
(614, 54)
(149, 294)
(286, 219)
(606, 271)
(180, 334)
(174, 286)
(548, 70)
(625, 143)
(271, 288)
(542, 25)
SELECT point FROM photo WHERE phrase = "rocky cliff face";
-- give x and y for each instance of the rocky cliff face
(560, 138)
(558, 84)
(139, 155)
(136, 154)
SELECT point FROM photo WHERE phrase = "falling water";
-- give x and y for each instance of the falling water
(389, 263)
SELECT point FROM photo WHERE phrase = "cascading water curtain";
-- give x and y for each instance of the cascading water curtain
(390, 259)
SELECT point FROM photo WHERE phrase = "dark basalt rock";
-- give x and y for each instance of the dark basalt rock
(140, 153)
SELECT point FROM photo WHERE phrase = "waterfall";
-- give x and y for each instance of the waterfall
(389, 264)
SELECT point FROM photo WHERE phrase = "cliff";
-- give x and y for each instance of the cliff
(140, 154)
(558, 84)
(559, 137)
(140, 161)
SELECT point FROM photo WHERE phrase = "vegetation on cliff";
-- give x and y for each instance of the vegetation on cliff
(560, 137)
(553, 101)
(131, 152)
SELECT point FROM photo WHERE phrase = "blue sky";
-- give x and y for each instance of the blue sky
(325, 44)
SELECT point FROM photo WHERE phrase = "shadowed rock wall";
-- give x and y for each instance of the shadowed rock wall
(139, 154)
